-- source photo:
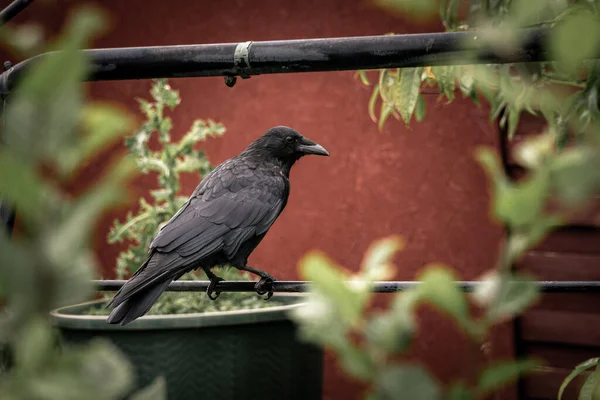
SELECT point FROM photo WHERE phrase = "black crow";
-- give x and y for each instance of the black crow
(223, 221)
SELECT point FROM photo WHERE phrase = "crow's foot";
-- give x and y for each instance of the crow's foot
(214, 280)
(265, 286)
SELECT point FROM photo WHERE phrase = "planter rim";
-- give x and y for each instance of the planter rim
(69, 317)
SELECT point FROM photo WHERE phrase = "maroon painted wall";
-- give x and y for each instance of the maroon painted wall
(421, 183)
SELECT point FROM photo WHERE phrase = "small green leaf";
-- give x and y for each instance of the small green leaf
(386, 111)
(591, 387)
(592, 362)
(406, 93)
(411, 381)
(500, 374)
(372, 101)
(420, 108)
(362, 74)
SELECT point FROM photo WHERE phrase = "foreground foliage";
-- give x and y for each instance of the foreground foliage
(563, 165)
(49, 132)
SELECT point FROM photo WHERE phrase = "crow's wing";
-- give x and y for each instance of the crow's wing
(233, 204)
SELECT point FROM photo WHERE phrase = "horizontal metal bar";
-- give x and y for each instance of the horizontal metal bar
(287, 56)
(378, 287)
(13, 9)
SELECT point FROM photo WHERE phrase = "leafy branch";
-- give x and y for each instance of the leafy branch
(169, 161)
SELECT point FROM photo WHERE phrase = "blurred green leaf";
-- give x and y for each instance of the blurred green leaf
(576, 175)
(498, 375)
(330, 282)
(102, 124)
(356, 362)
(377, 262)
(516, 204)
(393, 330)
(587, 364)
(74, 232)
(387, 332)
(412, 382)
(527, 12)
(566, 39)
(515, 295)
(46, 104)
(34, 348)
(20, 184)
(520, 241)
(439, 287)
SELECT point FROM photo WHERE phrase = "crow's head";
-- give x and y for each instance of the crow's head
(287, 145)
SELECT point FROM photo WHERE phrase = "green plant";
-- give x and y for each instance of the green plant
(563, 165)
(49, 131)
(169, 162)
(368, 345)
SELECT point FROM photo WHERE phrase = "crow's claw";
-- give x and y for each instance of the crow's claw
(211, 288)
(265, 286)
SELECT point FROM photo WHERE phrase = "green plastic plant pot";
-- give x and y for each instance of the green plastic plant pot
(242, 354)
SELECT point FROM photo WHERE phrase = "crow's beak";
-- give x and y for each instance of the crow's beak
(307, 146)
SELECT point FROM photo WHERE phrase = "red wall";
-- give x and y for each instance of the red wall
(421, 183)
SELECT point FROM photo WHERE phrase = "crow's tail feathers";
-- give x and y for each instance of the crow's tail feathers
(138, 304)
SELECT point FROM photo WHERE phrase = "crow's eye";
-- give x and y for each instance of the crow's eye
(289, 139)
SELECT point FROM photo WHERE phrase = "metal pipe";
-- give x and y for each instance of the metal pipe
(289, 56)
(13, 9)
(378, 287)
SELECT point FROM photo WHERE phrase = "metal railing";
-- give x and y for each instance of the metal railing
(378, 287)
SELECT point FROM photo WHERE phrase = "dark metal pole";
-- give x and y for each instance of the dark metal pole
(288, 56)
(13, 9)
(7, 212)
(379, 287)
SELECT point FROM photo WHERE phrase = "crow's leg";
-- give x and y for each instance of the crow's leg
(265, 284)
(214, 280)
